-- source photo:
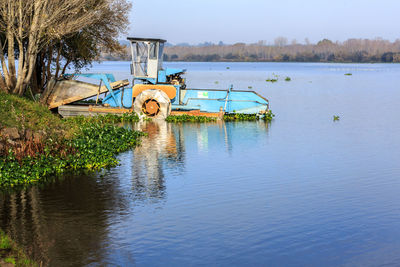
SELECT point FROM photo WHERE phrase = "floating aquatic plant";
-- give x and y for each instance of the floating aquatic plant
(336, 117)
(240, 117)
(190, 118)
(348, 74)
(288, 79)
(93, 146)
(268, 116)
(273, 79)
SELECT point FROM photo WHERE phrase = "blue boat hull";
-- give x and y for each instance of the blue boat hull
(205, 100)
(230, 101)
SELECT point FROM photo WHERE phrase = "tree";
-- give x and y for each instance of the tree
(81, 48)
(29, 28)
(280, 41)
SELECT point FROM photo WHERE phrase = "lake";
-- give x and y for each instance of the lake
(303, 190)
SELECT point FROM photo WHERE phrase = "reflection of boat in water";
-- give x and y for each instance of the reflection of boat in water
(162, 146)
(164, 149)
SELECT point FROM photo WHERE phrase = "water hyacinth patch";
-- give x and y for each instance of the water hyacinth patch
(249, 117)
(93, 147)
(273, 79)
(190, 118)
(108, 118)
(268, 116)
(240, 117)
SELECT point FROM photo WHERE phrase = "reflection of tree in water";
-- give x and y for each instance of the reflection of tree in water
(69, 220)
(163, 146)
(65, 222)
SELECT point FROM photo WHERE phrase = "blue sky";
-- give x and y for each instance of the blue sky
(252, 20)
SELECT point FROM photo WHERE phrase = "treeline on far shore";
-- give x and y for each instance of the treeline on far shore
(352, 50)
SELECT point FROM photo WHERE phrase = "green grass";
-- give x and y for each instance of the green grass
(12, 254)
(22, 113)
(10, 260)
(4, 241)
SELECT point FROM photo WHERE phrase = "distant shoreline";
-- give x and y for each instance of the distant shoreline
(329, 62)
(350, 51)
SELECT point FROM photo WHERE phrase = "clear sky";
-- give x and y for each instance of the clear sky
(248, 21)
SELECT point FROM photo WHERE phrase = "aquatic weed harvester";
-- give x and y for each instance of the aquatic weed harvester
(156, 92)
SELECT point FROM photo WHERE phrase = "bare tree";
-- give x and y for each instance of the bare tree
(79, 49)
(280, 41)
(30, 25)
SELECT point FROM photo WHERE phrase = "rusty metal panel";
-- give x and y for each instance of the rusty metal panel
(170, 90)
(198, 113)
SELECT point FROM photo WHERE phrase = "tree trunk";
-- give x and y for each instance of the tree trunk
(58, 60)
(43, 65)
(10, 41)
(3, 84)
(65, 66)
(49, 60)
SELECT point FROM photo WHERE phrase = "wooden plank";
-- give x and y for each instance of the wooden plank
(86, 110)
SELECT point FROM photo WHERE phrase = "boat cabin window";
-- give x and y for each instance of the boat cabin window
(152, 50)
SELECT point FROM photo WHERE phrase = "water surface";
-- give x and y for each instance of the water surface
(301, 191)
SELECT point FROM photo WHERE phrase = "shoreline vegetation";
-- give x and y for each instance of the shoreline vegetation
(36, 144)
(350, 51)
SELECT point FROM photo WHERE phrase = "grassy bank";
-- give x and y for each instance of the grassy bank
(37, 144)
(11, 254)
